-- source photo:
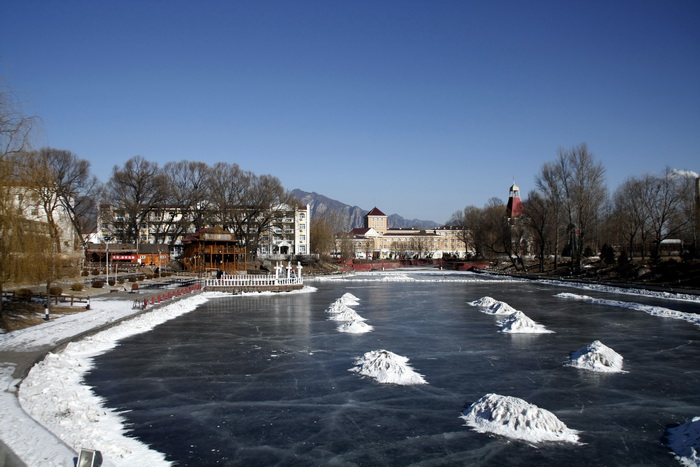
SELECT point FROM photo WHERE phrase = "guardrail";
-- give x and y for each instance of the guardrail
(251, 280)
(165, 296)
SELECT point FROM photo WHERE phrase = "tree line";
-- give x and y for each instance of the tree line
(570, 213)
(35, 185)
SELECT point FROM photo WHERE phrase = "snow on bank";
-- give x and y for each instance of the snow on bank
(54, 394)
(684, 441)
(387, 367)
(492, 306)
(414, 274)
(515, 418)
(596, 356)
(650, 309)
(51, 333)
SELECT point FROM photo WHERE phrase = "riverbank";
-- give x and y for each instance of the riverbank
(21, 350)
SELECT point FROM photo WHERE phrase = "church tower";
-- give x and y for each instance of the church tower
(515, 206)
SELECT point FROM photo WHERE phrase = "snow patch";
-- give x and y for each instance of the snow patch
(387, 367)
(519, 323)
(684, 441)
(346, 315)
(492, 306)
(650, 309)
(596, 356)
(349, 299)
(515, 418)
(355, 327)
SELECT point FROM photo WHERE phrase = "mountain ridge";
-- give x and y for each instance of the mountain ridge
(319, 204)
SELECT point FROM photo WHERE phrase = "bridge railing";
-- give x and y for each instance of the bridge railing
(252, 280)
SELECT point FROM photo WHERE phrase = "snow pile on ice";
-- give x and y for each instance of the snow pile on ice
(518, 322)
(346, 315)
(349, 299)
(387, 367)
(596, 356)
(492, 306)
(340, 311)
(338, 307)
(650, 309)
(515, 418)
(684, 441)
(355, 327)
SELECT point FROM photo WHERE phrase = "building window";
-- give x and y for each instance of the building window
(302, 238)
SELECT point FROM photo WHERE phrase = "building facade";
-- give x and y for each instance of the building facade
(286, 234)
(378, 241)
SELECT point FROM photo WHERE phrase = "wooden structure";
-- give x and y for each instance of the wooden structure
(213, 249)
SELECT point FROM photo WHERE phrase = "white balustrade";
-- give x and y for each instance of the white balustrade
(245, 280)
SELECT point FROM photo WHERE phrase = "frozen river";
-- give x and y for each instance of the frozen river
(264, 380)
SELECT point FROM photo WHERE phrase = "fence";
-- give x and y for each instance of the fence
(250, 280)
(165, 296)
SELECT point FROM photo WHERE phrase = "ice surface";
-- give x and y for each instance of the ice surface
(355, 327)
(53, 393)
(596, 356)
(515, 418)
(518, 322)
(26, 437)
(684, 441)
(387, 367)
(492, 306)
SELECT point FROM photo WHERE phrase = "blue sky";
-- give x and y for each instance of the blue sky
(417, 107)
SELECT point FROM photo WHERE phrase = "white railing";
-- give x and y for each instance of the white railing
(253, 281)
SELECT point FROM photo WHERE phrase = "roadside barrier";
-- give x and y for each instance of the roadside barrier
(165, 296)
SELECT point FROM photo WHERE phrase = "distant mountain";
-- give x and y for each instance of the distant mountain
(318, 204)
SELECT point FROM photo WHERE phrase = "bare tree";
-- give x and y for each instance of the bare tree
(188, 193)
(665, 207)
(629, 215)
(542, 222)
(576, 182)
(62, 182)
(324, 229)
(16, 233)
(138, 188)
(15, 127)
(464, 220)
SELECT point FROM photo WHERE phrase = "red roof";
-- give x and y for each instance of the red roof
(375, 212)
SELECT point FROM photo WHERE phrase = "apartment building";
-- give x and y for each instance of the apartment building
(286, 234)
